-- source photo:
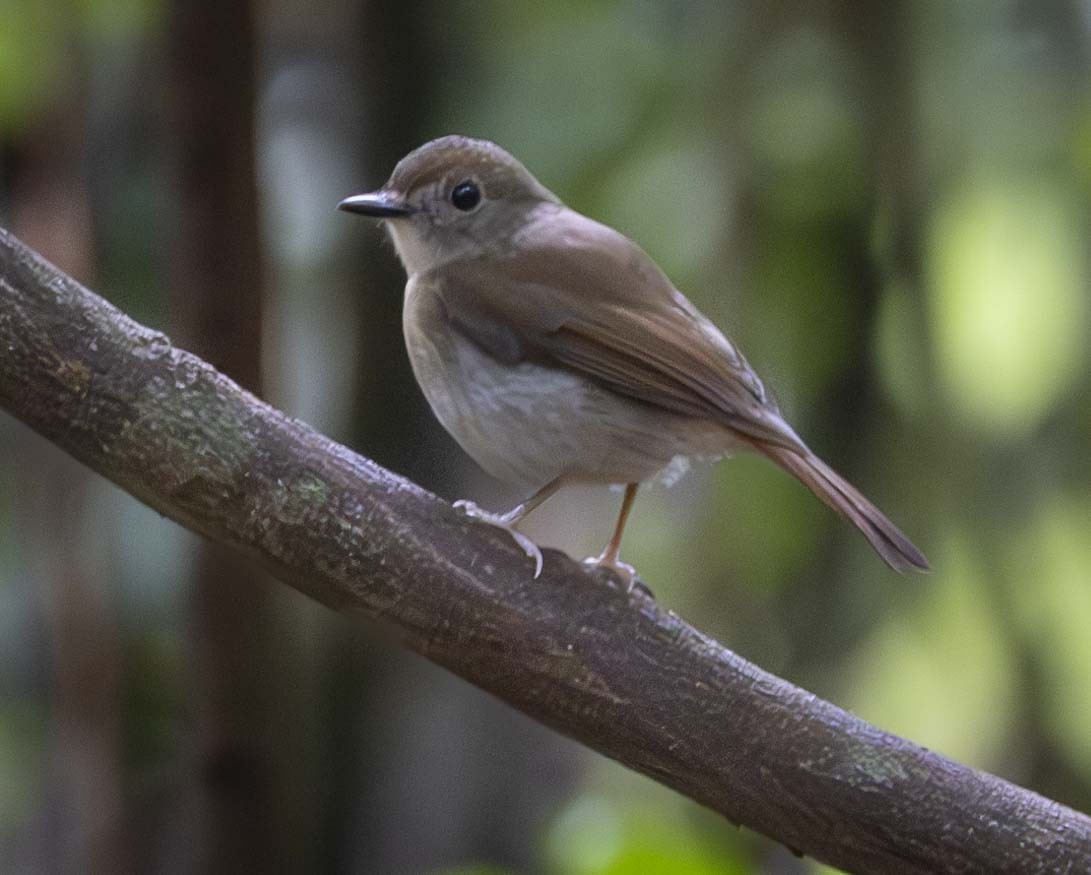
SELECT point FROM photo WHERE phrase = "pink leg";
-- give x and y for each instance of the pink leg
(609, 556)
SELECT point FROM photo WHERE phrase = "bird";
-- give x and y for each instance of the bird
(556, 352)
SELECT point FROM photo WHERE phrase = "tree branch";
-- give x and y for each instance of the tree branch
(610, 669)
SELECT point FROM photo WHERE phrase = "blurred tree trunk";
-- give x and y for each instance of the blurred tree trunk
(245, 811)
(400, 68)
(395, 65)
(82, 827)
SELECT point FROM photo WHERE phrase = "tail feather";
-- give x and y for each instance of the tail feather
(895, 548)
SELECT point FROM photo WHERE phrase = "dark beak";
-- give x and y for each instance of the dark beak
(378, 204)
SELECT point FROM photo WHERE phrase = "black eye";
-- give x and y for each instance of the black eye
(465, 196)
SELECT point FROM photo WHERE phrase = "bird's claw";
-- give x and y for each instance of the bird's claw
(529, 547)
(502, 522)
(622, 569)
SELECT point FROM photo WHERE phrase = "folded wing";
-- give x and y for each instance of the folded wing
(582, 297)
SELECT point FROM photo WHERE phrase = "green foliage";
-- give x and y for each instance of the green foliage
(27, 63)
(39, 38)
(669, 193)
(596, 835)
(1008, 279)
(1051, 605)
(940, 672)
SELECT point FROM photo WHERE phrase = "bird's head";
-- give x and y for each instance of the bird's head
(453, 198)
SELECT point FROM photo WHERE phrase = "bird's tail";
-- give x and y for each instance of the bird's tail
(896, 549)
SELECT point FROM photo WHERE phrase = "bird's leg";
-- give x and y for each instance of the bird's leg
(508, 521)
(609, 557)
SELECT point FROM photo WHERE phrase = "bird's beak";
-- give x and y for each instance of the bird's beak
(378, 204)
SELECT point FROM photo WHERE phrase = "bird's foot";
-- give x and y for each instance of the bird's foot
(622, 569)
(506, 522)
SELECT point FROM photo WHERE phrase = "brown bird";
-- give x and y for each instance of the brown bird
(555, 351)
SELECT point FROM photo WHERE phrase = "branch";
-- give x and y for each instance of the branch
(613, 670)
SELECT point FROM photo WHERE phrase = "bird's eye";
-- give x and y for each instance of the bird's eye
(465, 196)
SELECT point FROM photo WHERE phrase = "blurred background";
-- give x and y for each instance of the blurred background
(886, 205)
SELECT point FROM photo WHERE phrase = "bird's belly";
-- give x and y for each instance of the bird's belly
(527, 424)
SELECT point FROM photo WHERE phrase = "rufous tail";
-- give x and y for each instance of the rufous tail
(896, 549)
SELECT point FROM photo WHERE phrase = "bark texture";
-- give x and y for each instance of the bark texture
(613, 670)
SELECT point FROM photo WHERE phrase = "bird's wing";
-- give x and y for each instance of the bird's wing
(581, 296)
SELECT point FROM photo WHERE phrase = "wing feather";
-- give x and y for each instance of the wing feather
(581, 296)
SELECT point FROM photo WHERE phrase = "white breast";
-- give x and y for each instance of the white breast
(526, 424)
